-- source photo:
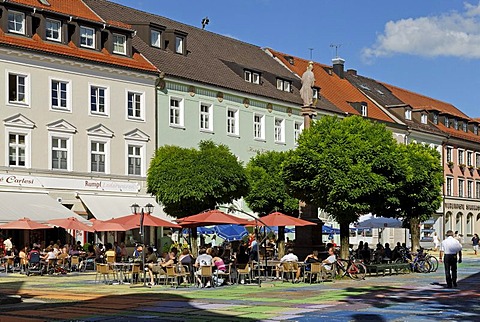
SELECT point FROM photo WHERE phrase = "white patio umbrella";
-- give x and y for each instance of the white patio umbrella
(379, 222)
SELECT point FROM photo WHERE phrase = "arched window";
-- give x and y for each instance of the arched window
(469, 225)
(459, 223)
(448, 221)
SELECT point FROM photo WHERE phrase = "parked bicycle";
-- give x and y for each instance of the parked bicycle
(355, 269)
(417, 264)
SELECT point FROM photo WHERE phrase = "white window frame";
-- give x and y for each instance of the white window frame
(68, 98)
(464, 126)
(477, 189)
(435, 118)
(69, 149)
(87, 35)
(461, 156)
(232, 124)
(283, 85)
(449, 186)
(106, 99)
(179, 44)
(155, 38)
(449, 153)
(475, 129)
(142, 146)
(477, 160)
(251, 77)
(408, 114)
(119, 44)
(447, 121)
(469, 188)
(279, 130)
(315, 92)
(205, 117)
(26, 88)
(106, 153)
(424, 118)
(461, 187)
(176, 113)
(28, 146)
(14, 25)
(455, 124)
(259, 127)
(364, 110)
(469, 158)
(297, 130)
(54, 26)
(134, 110)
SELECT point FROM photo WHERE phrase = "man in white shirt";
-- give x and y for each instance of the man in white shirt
(8, 245)
(203, 259)
(290, 257)
(449, 248)
(328, 262)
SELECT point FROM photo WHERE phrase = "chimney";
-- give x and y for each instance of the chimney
(352, 72)
(338, 64)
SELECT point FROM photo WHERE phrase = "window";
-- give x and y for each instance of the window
(16, 22)
(424, 119)
(97, 156)
(297, 130)
(206, 119)
(179, 45)
(435, 118)
(449, 152)
(477, 160)
(252, 77)
(60, 153)
(98, 99)
(176, 111)
(461, 157)
(461, 188)
(134, 160)
(447, 122)
(315, 92)
(475, 129)
(449, 186)
(464, 126)
(259, 127)
(119, 44)
(60, 95)
(17, 88)
(134, 105)
(477, 189)
(284, 85)
(87, 37)
(408, 114)
(53, 30)
(232, 121)
(17, 150)
(455, 124)
(155, 38)
(469, 189)
(469, 158)
(364, 110)
(279, 130)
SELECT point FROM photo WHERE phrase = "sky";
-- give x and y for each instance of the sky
(431, 47)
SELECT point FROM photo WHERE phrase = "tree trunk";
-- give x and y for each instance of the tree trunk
(344, 240)
(281, 241)
(415, 233)
(194, 242)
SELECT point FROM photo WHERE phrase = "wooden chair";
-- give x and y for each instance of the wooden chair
(205, 274)
(328, 273)
(245, 271)
(315, 270)
(289, 269)
(103, 270)
(226, 274)
(133, 273)
(183, 275)
(74, 263)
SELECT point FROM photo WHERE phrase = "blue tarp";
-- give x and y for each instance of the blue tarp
(201, 230)
(330, 230)
(231, 232)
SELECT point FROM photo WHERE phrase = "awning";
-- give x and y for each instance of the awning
(108, 207)
(36, 206)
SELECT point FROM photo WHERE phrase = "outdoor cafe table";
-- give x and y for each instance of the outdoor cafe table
(269, 267)
(120, 268)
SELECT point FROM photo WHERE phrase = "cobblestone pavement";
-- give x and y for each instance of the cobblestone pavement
(404, 297)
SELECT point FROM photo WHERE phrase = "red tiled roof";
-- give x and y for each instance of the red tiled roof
(337, 90)
(36, 43)
(75, 8)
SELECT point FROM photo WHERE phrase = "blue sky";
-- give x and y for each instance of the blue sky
(431, 47)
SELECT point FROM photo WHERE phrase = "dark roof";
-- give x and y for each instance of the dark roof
(211, 58)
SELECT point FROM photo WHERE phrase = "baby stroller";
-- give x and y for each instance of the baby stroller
(34, 265)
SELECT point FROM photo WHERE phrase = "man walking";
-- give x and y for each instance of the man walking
(449, 249)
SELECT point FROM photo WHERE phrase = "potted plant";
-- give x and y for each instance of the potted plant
(450, 164)
(471, 169)
(462, 167)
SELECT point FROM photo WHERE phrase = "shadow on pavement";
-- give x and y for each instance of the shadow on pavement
(148, 305)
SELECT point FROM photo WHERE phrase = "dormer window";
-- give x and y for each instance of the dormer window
(52, 30)
(408, 114)
(424, 119)
(252, 77)
(447, 121)
(464, 127)
(119, 44)
(284, 85)
(315, 92)
(475, 129)
(16, 22)
(435, 118)
(455, 124)
(179, 45)
(87, 37)
(155, 38)
(364, 110)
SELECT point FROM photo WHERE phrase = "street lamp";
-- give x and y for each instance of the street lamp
(148, 208)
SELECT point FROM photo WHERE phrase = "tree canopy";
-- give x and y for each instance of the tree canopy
(188, 181)
(267, 189)
(347, 167)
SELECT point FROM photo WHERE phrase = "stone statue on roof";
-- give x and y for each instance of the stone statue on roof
(308, 80)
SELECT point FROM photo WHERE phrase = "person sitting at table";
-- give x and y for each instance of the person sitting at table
(89, 257)
(203, 259)
(290, 257)
(50, 257)
(328, 262)
(311, 258)
(110, 253)
(123, 251)
(158, 268)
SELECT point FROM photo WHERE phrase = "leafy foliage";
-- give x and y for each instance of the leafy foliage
(187, 181)
(267, 189)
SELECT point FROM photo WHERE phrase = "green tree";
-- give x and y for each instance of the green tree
(188, 181)
(347, 167)
(420, 190)
(267, 189)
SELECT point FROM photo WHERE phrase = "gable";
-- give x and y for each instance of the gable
(136, 135)
(19, 120)
(100, 130)
(61, 126)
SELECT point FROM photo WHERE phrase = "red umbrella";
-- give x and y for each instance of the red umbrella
(70, 223)
(100, 225)
(25, 223)
(211, 217)
(133, 221)
(279, 219)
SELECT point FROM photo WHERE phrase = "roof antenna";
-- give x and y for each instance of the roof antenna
(336, 46)
(311, 51)
(205, 22)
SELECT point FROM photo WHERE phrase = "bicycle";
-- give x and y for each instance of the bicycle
(433, 262)
(418, 264)
(354, 269)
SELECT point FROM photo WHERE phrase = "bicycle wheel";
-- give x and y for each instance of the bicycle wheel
(433, 263)
(341, 265)
(422, 266)
(357, 271)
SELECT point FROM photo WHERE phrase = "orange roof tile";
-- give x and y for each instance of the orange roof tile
(337, 90)
(37, 44)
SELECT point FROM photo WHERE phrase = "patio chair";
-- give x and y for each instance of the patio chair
(74, 263)
(245, 271)
(226, 274)
(133, 273)
(315, 270)
(205, 273)
(289, 269)
(183, 275)
(103, 270)
(328, 273)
